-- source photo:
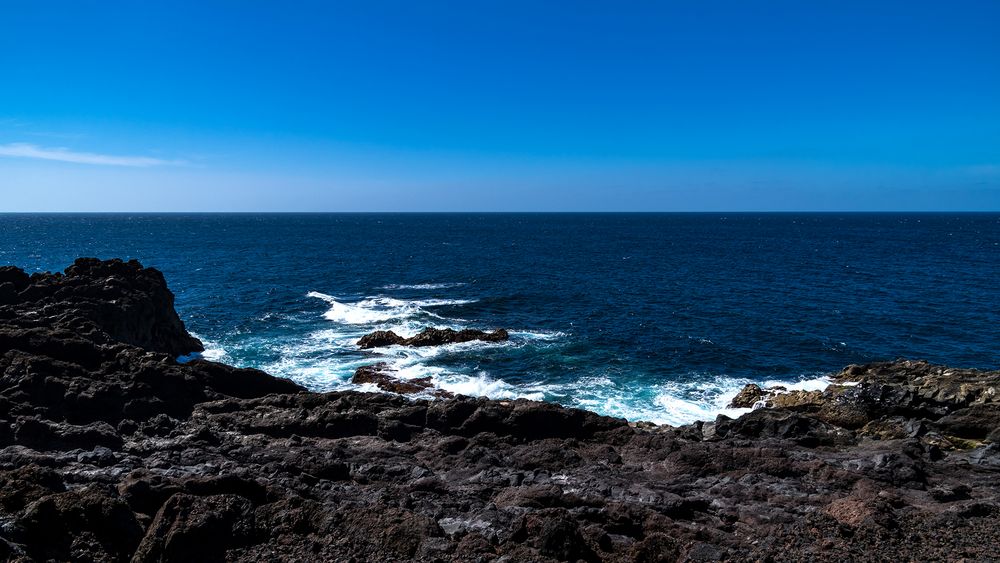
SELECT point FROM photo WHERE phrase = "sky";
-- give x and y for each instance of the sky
(499, 106)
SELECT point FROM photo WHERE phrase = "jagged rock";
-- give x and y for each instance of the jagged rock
(430, 337)
(747, 397)
(111, 450)
(125, 301)
(379, 374)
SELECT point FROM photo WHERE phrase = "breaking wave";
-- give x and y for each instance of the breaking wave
(326, 358)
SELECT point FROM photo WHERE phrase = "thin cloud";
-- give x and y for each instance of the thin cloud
(28, 150)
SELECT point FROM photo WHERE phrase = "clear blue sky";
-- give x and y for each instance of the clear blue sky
(499, 105)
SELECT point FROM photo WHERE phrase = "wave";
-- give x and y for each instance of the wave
(478, 384)
(482, 385)
(442, 302)
(538, 335)
(667, 403)
(445, 285)
(327, 359)
(381, 301)
(369, 311)
(673, 403)
(818, 383)
(213, 352)
(377, 309)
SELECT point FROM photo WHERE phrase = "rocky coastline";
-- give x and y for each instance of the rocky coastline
(112, 450)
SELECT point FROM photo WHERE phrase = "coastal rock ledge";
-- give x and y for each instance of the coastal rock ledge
(111, 450)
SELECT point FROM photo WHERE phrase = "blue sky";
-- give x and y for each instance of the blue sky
(499, 106)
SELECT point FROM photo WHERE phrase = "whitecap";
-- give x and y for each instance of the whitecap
(538, 335)
(445, 285)
(382, 301)
(481, 385)
(368, 311)
(442, 302)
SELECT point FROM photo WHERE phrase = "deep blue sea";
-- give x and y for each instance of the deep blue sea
(659, 317)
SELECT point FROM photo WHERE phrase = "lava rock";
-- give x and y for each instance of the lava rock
(111, 450)
(431, 337)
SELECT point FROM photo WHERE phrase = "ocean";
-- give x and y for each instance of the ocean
(657, 317)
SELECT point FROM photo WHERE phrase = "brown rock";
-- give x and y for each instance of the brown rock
(747, 397)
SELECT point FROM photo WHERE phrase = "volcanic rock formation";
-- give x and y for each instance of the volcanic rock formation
(431, 337)
(111, 450)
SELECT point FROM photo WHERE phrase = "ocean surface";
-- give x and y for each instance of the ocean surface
(659, 317)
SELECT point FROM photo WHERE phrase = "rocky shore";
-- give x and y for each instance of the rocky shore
(111, 450)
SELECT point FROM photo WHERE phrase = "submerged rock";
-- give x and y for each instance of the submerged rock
(431, 337)
(111, 450)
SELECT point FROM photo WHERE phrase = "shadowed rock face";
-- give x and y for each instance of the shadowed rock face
(430, 337)
(112, 301)
(112, 451)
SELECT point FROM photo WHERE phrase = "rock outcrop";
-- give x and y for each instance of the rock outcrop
(113, 301)
(430, 337)
(381, 376)
(110, 450)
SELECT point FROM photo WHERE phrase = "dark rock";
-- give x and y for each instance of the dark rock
(380, 375)
(380, 338)
(975, 422)
(560, 539)
(192, 528)
(110, 450)
(431, 337)
(948, 493)
(88, 524)
(129, 303)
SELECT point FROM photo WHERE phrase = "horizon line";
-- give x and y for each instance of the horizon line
(480, 212)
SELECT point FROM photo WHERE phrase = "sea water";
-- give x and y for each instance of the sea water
(658, 317)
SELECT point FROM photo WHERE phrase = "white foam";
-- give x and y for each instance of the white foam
(678, 411)
(327, 359)
(482, 385)
(813, 384)
(667, 403)
(213, 352)
(424, 285)
(369, 311)
(442, 302)
(382, 301)
(541, 335)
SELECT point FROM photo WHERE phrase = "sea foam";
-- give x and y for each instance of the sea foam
(327, 359)
(445, 285)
